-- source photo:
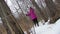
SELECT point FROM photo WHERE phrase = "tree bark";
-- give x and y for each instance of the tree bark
(53, 10)
(8, 19)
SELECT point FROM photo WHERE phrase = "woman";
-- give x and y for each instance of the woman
(33, 16)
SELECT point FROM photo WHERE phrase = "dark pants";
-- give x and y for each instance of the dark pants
(35, 21)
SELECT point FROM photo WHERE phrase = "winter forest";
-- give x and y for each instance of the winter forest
(29, 16)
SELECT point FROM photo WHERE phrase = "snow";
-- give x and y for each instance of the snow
(0, 21)
(47, 28)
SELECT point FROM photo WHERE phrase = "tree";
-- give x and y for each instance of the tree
(53, 11)
(8, 19)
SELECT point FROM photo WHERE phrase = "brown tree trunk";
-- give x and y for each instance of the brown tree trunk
(9, 21)
(52, 9)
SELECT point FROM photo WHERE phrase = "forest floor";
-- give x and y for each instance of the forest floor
(47, 28)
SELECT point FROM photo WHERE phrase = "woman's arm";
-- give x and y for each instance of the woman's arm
(27, 14)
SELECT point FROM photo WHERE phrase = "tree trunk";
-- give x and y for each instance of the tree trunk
(9, 21)
(53, 10)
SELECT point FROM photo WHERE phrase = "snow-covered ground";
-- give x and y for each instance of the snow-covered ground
(47, 28)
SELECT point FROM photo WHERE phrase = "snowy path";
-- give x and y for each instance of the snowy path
(48, 29)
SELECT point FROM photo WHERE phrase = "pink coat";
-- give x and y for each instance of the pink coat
(31, 14)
